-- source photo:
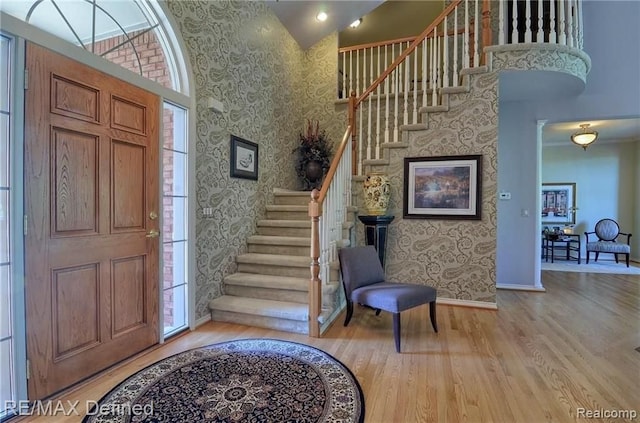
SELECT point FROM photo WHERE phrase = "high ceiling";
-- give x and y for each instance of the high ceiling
(299, 17)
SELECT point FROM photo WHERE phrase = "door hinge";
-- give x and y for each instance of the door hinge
(28, 369)
(26, 79)
(24, 225)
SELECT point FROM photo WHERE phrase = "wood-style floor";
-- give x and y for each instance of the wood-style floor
(542, 357)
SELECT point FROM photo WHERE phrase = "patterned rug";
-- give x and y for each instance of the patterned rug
(249, 380)
(600, 266)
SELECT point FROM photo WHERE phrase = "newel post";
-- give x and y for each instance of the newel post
(487, 35)
(315, 284)
(352, 123)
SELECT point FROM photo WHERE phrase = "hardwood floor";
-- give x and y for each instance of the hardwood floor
(542, 357)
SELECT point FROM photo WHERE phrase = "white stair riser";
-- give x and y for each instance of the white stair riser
(280, 231)
(288, 215)
(301, 297)
(294, 200)
(281, 270)
(261, 321)
(289, 250)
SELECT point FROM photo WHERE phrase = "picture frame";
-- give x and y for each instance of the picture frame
(443, 187)
(558, 203)
(244, 158)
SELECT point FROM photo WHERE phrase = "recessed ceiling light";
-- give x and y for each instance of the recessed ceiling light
(322, 16)
(356, 23)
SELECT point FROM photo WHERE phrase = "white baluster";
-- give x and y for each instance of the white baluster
(360, 140)
(425, 86)
(433, 69)
(406, 68)
(540, 34)
(514, 21)
(552, 33)
(501, 23)
(378, 108)
(350, 75)
(369, 140)
(570, 40)
(562, 34)
(415, 85)
(357, 72)
(455, 47)
(396, 88)
(344, 76)
(386, 90)
(467, 22)
(580, 24)
(527, 31)
(476, 36)
(445, 40)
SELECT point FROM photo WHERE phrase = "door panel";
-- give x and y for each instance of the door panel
(91, 182)
(75, 183)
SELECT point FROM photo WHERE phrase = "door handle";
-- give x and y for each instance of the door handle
(153, 233)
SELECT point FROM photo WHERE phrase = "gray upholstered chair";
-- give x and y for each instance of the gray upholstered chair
(607, 232)
(364, 283)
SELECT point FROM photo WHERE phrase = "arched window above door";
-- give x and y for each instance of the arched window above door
(134, 34)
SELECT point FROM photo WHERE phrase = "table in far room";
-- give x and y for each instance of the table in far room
(568, 244)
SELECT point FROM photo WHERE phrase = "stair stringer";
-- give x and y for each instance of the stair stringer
(450, 97)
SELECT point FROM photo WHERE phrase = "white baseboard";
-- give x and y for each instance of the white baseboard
(517, 287)
(204, 319)
(467, 303)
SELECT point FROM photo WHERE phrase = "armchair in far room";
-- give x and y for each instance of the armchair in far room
(607, 232)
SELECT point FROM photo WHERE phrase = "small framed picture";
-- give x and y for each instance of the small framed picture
(244, 158)
(558, 203)
(443, 187)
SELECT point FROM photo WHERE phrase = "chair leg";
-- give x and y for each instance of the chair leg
(396, 330)
(597, 254)
(432, 315)
(588, 254)
(349, 312)
(616, 256)
(627, 259)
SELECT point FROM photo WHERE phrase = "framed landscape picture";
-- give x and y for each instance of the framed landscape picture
(558, 203)
(442, 187)
(244, 158)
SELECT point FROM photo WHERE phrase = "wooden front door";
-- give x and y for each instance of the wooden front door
(91, 205)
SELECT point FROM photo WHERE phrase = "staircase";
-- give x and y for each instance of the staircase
(270, 287)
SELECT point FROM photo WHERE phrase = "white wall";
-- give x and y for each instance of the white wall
(610, 39)
(606, 184)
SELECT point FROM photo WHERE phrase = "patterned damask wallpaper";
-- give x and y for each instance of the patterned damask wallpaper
(242, 55)
(455, 256)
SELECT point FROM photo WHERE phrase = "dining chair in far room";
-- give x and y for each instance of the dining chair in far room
(607, 231)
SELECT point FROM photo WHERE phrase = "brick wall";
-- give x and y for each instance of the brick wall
(154, 67)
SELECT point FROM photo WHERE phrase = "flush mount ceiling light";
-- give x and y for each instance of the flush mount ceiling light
(585, 137)
(322, 16)
(356, 23)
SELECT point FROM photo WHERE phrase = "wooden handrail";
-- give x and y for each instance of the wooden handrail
(389, 42)
(376, 44)
(408, 50)
(334, 166)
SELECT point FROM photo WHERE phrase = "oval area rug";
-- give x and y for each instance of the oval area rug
(249, 380)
